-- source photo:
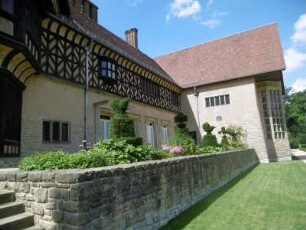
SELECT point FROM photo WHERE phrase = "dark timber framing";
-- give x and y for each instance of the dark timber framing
(63, 56)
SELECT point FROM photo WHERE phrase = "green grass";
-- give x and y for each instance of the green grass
(303, 149)
(269, 196)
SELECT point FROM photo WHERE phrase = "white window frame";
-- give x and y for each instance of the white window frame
(151, 135)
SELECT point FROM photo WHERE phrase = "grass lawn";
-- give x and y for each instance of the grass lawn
(303, 149)
(269, 196)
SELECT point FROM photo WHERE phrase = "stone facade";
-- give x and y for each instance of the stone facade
(47, 98)
(142, 195)
(244, 110)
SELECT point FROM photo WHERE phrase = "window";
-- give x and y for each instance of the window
(151, 139)
(104, 122)
(55, 131)
(264, 102)
(150, 88)
(277, 113)
(175, 99)
(217, 100)
(107, 69)
(165, 134)
(273, 113)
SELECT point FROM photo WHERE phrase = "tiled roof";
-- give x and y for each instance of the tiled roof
(117, 44)
(252, 52)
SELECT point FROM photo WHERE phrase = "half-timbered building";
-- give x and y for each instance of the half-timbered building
(59, 69)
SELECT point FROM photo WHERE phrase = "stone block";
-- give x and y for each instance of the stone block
(57, 215)
(40, 195)
(38, 208)
(66, 177)
(34, 176)
(22, 176)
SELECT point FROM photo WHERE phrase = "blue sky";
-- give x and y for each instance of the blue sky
(166, 26)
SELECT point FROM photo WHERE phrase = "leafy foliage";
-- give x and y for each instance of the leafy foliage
(210, 149)
(232, 137)
(295, 109)
(107, 152)
(182, 138)
(120, 124)
(209, 139)
(208, 128)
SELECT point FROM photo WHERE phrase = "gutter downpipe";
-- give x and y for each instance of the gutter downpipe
(196, 94)
(86, 86)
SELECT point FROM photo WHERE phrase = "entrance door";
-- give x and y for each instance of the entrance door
(10, 116)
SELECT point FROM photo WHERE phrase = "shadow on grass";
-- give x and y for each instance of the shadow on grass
(299, 158)
(186, 217)
(294, 158)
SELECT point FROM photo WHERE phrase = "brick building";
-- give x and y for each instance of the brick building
(59, 69)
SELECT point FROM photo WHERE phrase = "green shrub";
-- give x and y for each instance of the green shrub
(120, 124)
(180, 118)
(107, 152)
(208, 128)
(210, 149)
(236, 137)
(182, 137)
(121, 127)
(209, 139)
(135, 141)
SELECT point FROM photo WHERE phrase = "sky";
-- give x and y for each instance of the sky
(165, 26)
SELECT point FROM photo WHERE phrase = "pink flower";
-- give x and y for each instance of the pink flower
(166, 148)
(176, 149)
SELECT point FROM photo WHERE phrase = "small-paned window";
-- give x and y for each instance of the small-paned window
(55, 131)
(104, 122)
(165, 134)
(175, 98)
(150, 88)
(151, 136)
(217, 100)
(108, 69)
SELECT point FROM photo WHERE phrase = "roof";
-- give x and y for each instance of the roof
(117, 44)
(249, 53)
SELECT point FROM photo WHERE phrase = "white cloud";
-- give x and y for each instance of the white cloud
(299, 85)
(183, 8)
(300, 30)
(294, 59)
(211, 23)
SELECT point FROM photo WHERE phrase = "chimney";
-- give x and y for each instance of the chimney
(131, 37)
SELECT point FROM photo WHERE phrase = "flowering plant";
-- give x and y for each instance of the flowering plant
(177, 149)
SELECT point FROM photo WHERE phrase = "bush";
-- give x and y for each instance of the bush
(120, 124)
(210, 149)
(182, 138)
(121, 127)
(180, 118)
(135, 141)
(209, 139)
(107, 152)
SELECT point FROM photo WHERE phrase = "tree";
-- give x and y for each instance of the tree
(295, 110)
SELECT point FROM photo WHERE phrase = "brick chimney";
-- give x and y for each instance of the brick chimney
(86, 8)
(131, 37)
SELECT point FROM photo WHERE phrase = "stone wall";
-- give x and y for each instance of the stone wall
(142, 195)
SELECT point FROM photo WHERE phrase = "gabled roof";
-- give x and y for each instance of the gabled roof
(249, 53)
(117, 44)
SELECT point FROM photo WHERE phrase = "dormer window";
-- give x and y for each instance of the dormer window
(107, 69)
